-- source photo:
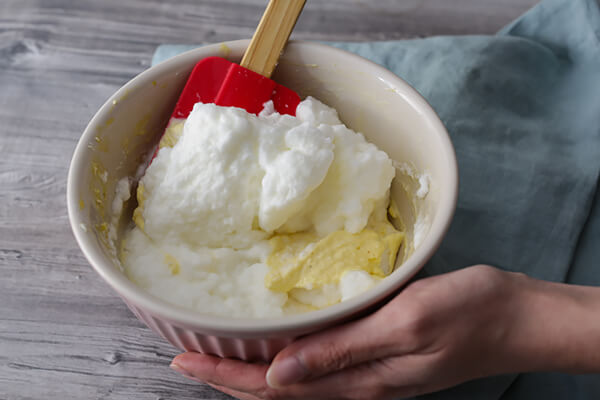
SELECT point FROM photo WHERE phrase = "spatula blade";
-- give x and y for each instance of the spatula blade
(217, 80)
(202, 85)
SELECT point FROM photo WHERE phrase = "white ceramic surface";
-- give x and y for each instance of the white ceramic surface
(369, 99)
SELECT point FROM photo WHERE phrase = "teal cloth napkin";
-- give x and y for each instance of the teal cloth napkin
(523, 111)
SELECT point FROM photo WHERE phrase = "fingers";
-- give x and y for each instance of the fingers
(247, 381)
(330, 351)
(389, 378)
(234, 374)
(357, 382)
(383, 379)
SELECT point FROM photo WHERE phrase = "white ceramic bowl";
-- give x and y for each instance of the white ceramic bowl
(369, 99)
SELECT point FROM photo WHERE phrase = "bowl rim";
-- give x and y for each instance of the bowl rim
(260, 327)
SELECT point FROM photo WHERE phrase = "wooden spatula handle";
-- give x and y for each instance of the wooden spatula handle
(271, 35)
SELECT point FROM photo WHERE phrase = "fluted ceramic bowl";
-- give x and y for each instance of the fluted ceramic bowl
(369, 99)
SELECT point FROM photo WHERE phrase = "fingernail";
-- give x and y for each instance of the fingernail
(178, 368)
(286, 372)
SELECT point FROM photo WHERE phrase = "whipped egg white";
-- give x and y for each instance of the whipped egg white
(259, 216)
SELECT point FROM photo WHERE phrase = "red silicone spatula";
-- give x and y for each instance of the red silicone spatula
(247, 85)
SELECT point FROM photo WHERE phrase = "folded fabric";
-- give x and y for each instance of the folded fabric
(523, 111)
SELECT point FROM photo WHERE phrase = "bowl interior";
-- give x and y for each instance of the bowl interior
(368, 98)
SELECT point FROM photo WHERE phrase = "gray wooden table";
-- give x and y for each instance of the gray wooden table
(63, 332)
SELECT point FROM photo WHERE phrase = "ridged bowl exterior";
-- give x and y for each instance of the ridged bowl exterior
(188, 340)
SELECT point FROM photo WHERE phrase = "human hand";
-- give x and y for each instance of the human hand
(436, 333)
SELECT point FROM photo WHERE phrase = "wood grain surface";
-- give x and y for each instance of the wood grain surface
(63, 333)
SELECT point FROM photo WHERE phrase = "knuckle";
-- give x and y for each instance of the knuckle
(335, 357)
(409, 322)
(487, 273)
(484, 268)
(490, 279)
(220, 373)
(416, 324)
(416, 317)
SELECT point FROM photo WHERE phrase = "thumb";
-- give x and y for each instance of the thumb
(329, 351)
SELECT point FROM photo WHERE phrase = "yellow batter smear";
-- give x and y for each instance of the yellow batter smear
(138, 213)
(172, 133)
(172, 263)
(302, 260)
(171, 136)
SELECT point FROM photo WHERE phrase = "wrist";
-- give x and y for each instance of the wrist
(553, 327)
